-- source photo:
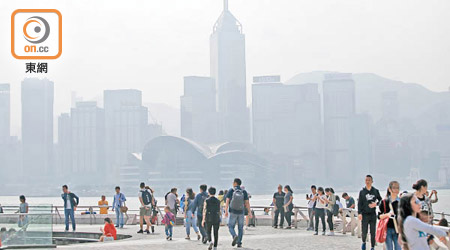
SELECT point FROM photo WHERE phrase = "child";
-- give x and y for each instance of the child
(211, 216)
(169, 221)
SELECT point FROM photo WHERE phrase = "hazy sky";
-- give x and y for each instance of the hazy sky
(150, 45)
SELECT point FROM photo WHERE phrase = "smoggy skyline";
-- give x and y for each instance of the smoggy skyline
(151, 45)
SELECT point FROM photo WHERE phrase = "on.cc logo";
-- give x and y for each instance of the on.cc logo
(38, 23)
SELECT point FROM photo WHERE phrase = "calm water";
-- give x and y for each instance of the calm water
(256, 200)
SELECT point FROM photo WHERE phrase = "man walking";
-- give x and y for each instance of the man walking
(199, 203)
(237, 202)
(278, 202)
(118, 203)
(145, 211)
(369, 197)
(311, 207)
(71, 201)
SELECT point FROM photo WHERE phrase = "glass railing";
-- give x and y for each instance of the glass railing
(32, 229)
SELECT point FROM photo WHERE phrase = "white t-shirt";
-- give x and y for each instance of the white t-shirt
(141, 192)
(319, 203)
(310, 202)
(171, 200)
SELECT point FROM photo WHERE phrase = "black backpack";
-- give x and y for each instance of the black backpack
(213, 210)
(146, 197)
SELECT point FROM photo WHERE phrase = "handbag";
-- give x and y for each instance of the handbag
(380, 236)
(124, 208)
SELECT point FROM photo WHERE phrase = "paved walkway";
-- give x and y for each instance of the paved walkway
(263, 238)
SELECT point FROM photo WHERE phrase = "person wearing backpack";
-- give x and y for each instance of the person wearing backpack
(237, 202)
(118, 203)
(71, 201)
(199, 202)
(145, 211)
(211, 217)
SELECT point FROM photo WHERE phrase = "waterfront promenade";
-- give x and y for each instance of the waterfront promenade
(263, 237)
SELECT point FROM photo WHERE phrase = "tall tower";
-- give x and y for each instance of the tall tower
(37, 128)
(227, 62)
(5, 110)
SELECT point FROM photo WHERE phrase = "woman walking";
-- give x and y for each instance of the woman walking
(189, 214)
(321, 200)
(412, 230)
(389, 209)
(288, 205)
(331, 201)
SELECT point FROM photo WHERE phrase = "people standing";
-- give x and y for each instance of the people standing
(311, 207)
(71, 201)
(349, 201)
(369, 198)
(391, 201)
(331, 201)
(103, 205)
(199, 202)
(168, 221)
(172, 201)
(237, 202)
(412, 230)
(320, 198)
(211, 217)
(118, 203)
(23, 210)
(278, 202)
(189, 214)
(421, 187)
(145, 211)
(288, 206)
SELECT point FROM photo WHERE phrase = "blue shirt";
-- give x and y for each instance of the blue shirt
(191, 205)
(230, 196)
(199, 200)
(119, 199)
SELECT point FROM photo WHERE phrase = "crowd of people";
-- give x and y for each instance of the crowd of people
(405, 220)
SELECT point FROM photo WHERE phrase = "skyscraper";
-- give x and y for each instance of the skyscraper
(198, 109)
(64, 146)
(126, 121)
(37, 127)
(5, 113)
(227, 68)
(339, 110)
(88, 139)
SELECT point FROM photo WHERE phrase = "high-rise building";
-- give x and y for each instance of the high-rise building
(228, 69)
(88, 139)
(286, 118)
(64, 146)
(126, 121)
(37, 128)
(339, 110)
(5, 113)
(198, 109)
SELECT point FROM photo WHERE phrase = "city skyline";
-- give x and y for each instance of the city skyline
(299, 36)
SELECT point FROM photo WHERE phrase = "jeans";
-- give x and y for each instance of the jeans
(239, 219)
(288, 214)
(369, 220)
(392, 240)
(330, 220)
(69, 213)
(200, 227)
(191, 221)
(311, 218)
(168, 230)
(320, 214)
(279, 211)
(216, 227)
(119, 217)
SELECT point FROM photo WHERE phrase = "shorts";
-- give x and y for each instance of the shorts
(145, 211)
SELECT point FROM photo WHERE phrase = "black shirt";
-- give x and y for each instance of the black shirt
(388, 209)
(279, 199)
(367, 197)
